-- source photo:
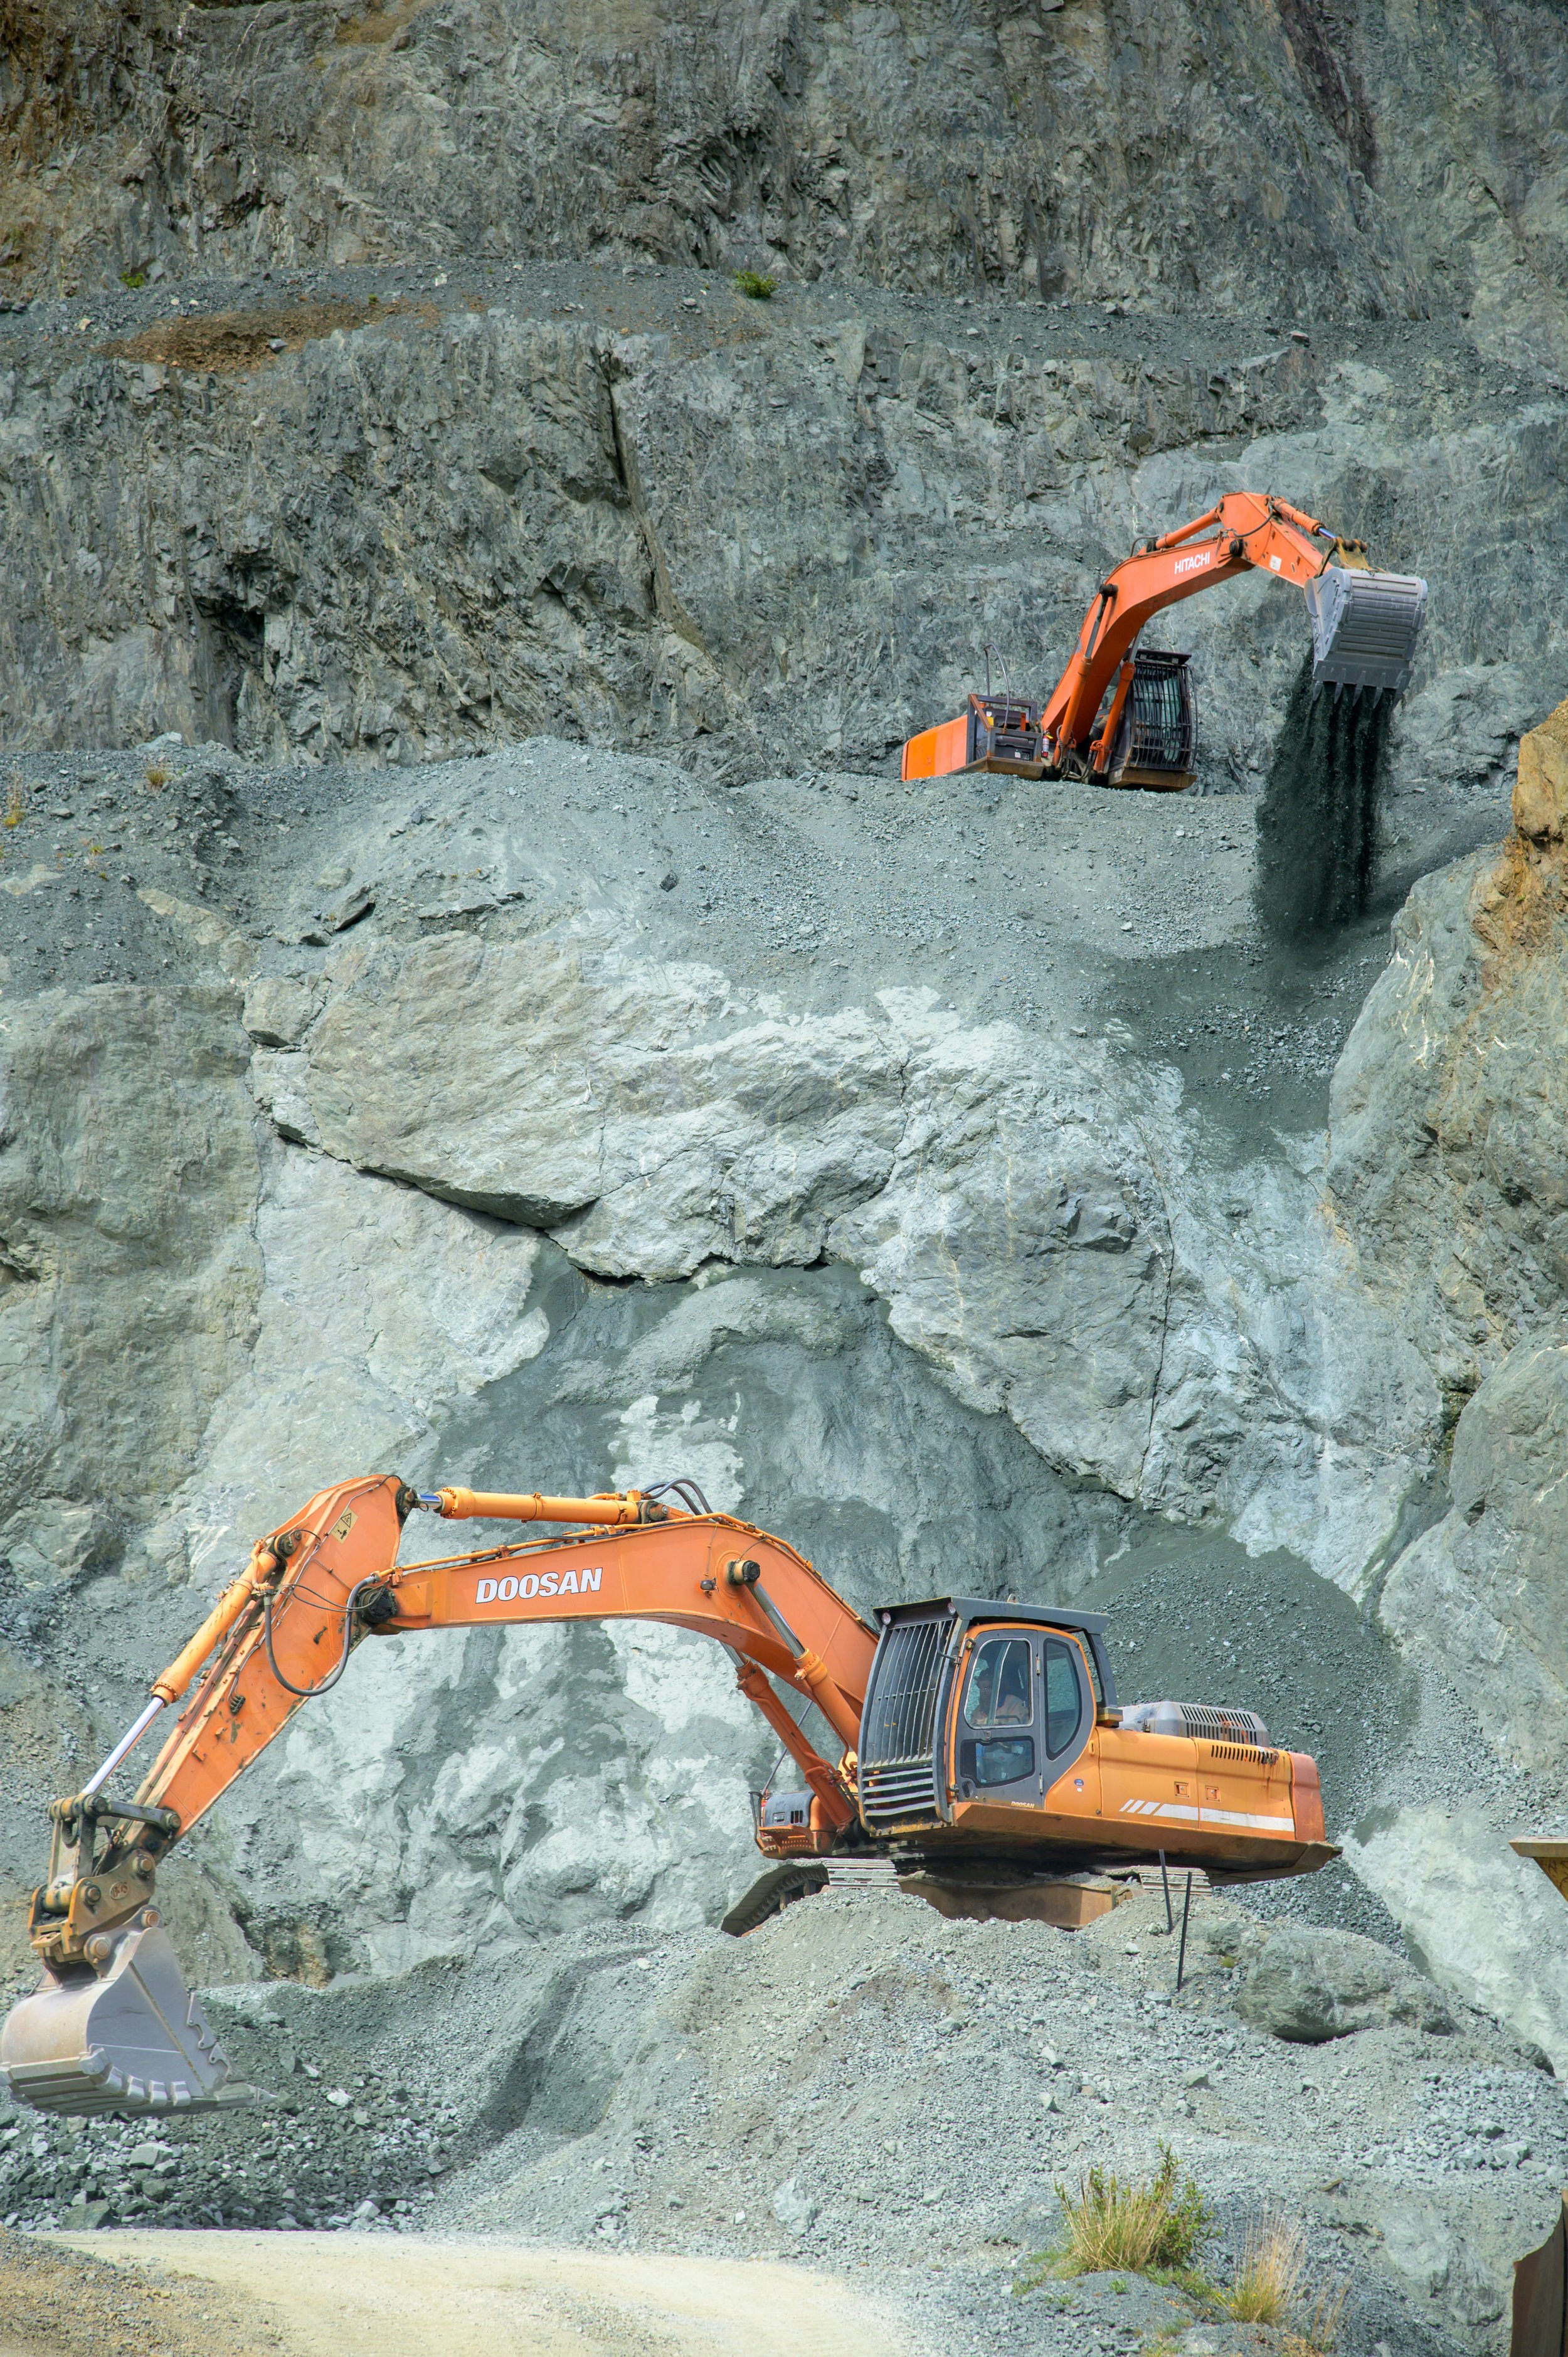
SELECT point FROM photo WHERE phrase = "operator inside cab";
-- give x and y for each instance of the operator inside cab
(999, 1686)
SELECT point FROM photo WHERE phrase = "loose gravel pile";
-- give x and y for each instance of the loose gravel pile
(887, 2094)
(1124, 914)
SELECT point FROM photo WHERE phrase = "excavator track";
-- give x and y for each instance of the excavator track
(772, 1892)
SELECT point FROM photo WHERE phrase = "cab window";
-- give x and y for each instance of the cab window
(1064, 1696)
(1000, 1696)
(1000, 1686)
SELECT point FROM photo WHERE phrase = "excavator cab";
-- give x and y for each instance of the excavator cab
(972, 1701)
(1155, 730)
(991, 1731)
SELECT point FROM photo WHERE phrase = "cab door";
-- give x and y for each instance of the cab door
(1025, 1716)
(1066, 1711)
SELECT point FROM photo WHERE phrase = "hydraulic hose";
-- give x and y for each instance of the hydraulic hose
(306, 1694)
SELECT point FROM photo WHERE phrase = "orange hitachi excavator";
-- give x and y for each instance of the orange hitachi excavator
(1119, 716)
(971, 1730)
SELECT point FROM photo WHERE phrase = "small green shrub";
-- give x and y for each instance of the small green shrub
(755, 283)
(133, 278)
(1113, 2223)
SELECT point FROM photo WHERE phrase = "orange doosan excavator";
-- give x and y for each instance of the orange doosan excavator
(978, 1737)
(1121, 716)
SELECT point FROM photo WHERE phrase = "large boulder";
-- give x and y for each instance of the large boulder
(1310, 1984)
(1032, 1208)
(1482, 1598)
(1485, 1923)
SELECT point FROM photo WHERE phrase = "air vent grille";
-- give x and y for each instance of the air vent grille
(898, 1792)
(901, 1708)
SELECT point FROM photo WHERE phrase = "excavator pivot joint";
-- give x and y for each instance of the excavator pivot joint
(743, 1573)
(378, 1609)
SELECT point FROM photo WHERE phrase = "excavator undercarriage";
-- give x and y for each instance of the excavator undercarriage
(984, 1761)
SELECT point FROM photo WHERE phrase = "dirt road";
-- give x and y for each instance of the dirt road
(366, 2295)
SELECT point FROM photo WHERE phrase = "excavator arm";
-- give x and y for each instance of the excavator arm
(1244, 531)
(1365, 625)
(113, 2027)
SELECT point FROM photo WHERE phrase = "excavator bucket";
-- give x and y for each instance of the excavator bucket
(1365, 626)
(126, 2036)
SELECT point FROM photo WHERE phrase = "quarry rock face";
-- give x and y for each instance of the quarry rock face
(656, 1086)
(670, 526)
(1030, 1212)
(662, 514)
(1353, 162)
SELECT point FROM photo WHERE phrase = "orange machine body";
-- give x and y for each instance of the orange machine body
(995, 733)
(1245, 1809)
(321, 1582)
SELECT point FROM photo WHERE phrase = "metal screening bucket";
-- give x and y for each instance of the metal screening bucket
(127, 2037)
(1364, 628)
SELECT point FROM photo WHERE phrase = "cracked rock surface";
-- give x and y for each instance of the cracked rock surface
(476, 1001)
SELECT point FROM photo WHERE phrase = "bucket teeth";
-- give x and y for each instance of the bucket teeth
(1365, 627)
(129, 2037)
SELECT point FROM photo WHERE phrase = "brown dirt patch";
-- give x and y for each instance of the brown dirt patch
(56, 2302)
(377, 23)
(227, 343)
(348, 2295)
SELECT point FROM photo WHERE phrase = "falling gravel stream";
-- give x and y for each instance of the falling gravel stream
(1317, 821)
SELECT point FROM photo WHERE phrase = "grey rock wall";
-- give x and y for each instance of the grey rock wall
(1325, 158)
(769, 537)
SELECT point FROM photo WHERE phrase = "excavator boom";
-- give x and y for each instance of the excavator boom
(1119, 717)
(998, 1702)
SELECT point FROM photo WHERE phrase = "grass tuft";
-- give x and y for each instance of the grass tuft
(157, 775)
(755, 283)
(1114, 2224)
(133, 278)
(16, 801)
(1268, 2280)
(1321, 2327)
